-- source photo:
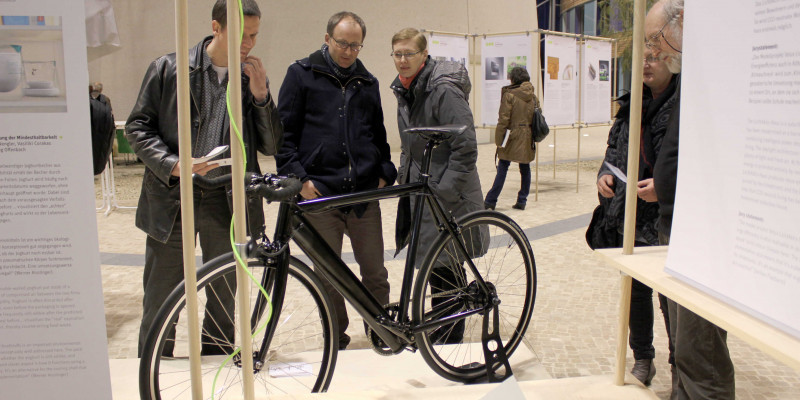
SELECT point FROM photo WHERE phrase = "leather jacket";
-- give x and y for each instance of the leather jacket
(152, 130)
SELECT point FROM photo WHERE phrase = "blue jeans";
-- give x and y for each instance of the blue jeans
(500, 180)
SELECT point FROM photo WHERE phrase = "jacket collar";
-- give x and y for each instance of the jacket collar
(419, 83)
(196, 53)
(316, 62)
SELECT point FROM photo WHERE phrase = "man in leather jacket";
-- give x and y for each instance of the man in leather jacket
(152, 130)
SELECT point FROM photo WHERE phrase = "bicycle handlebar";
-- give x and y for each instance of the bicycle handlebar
(270, 187)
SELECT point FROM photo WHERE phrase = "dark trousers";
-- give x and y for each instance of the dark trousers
(641, 318)
(703, 366)
(163, 271)
(366, 237)
(500, 180)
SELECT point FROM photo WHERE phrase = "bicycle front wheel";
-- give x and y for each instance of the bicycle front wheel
(446, 286)
(302, 353)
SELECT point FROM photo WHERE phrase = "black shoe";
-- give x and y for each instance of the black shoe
(518, 206)
(644, 370)
(344, 340)
(488, 206)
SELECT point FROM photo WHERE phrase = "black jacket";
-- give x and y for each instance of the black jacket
(655, 114)
(665, 176)
(152, 130)
(333, 130)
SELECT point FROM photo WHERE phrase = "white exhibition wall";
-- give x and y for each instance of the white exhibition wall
(291, 30)
(736, 230)
(53, 337)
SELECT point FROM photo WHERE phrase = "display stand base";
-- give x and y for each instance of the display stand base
(362, 374)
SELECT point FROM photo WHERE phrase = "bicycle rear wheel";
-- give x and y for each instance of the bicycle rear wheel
(301, 357)
(445, 286)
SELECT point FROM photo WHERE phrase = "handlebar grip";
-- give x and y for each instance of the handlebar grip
(279, 188)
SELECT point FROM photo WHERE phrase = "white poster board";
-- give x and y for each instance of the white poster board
(500, 54)
(449, 47)
(53, 341)
(736, 230)
(560, 80)
(596, 82)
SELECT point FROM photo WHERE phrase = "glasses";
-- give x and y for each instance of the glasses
(654, 41)
(651, 59)
(344, 45)
(399, 56)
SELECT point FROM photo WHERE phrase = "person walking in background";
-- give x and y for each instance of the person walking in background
(152, 130)
(513, 136)
(434, 93)
(335, 142)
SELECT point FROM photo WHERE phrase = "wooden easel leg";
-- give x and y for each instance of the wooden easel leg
(622, 328)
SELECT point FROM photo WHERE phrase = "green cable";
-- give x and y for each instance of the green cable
(239, 261)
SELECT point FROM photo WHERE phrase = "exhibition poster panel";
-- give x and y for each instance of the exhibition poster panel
(596, 82)
(736, 230)
(452, 48)
(53, 342)
(500, 54)
(560, 87)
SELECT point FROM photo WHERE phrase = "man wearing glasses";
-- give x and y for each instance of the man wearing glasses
(335, 142)
(702, 366)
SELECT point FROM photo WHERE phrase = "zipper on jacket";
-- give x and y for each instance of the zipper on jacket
(344, 116)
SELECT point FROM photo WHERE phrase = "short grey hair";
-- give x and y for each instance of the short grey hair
(673, 12)
(673, 18)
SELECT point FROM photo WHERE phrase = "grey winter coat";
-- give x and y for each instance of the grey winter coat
(438, 96)
(515, 115)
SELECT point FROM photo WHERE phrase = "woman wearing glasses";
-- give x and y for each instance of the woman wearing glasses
(432, 93)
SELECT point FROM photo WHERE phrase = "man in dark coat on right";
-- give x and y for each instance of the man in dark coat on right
(703, 367)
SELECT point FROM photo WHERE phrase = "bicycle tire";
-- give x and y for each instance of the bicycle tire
(295, 363)
(503, 257)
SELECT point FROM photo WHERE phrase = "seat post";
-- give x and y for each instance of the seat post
(427, 156)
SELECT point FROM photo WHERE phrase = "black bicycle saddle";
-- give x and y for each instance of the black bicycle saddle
(438, 133)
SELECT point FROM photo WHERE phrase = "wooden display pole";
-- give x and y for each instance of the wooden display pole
(187, 193)
(630, 194)
(239, 214)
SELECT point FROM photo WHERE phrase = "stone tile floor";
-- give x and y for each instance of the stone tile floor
(575, 314)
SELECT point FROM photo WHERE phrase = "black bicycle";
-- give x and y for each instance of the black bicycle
(467, 311)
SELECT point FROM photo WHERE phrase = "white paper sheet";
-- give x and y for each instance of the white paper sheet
(736, 229)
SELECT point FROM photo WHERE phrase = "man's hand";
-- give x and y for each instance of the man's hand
(309, 191)
(199, 169)
(254, 70)
(381, 183)
(646, 190)
(605, 186)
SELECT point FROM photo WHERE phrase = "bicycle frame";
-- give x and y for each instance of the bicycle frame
(292, 225)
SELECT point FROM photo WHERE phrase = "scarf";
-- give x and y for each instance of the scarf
(341, 73)
(406, 82)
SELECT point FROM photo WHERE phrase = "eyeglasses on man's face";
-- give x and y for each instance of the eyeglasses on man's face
(651, 59)
(654, 41)
(399, 56)
(342, 44)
